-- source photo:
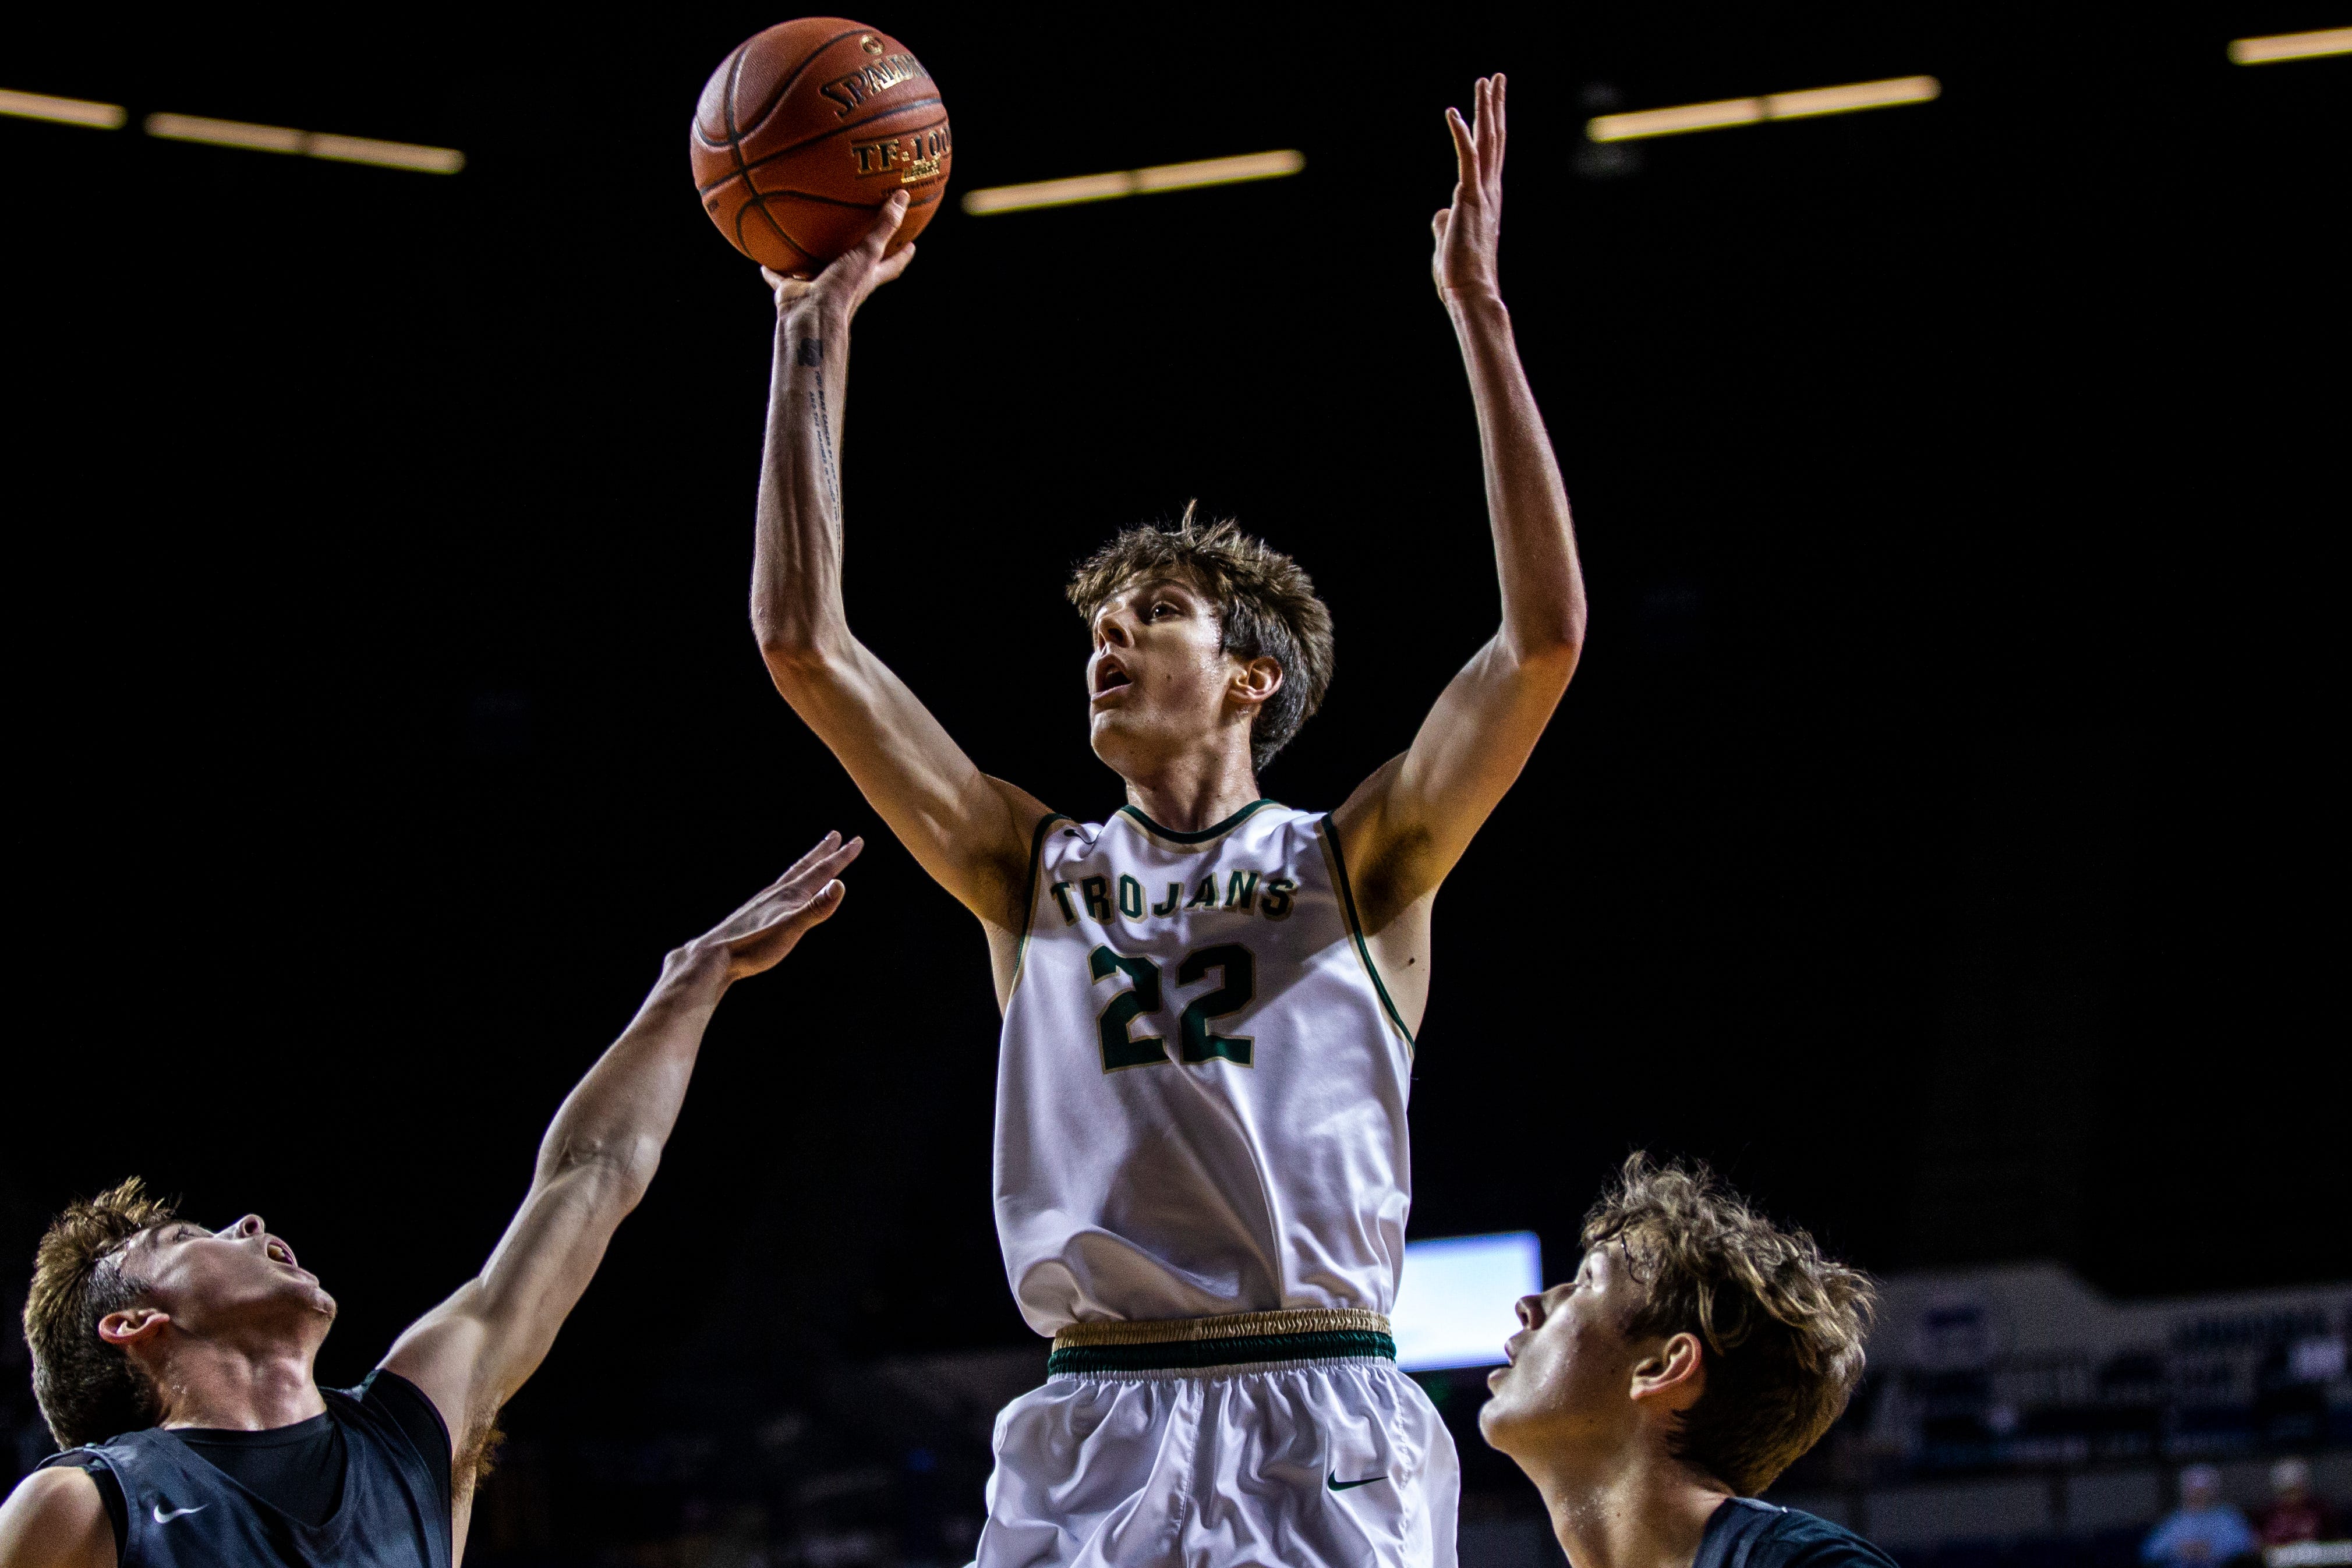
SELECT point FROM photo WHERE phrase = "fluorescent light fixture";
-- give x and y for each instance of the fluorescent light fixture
(1771, 106)
(64, 111)
(1134, 182)
(2291, 47)
(1671, 121)
(387, 154)
(310, 144)
(226, 133)
(1456, 1303)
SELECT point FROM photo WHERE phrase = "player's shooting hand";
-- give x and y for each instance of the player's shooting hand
(757, 936)
(1467, 232)
(843, 283)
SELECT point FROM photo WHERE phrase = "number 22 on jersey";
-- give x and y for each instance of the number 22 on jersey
(1196, 1042)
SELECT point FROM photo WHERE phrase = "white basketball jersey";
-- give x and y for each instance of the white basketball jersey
(1201, 1096)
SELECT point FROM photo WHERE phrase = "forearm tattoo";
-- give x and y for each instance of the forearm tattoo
(812, 355)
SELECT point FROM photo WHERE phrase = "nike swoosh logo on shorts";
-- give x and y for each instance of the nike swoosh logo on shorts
(1336, 1484)
(164, 1518)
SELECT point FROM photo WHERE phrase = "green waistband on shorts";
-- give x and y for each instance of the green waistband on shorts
(1242, 1339)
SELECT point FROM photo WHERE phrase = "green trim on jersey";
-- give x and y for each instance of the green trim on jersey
(1326, 1344)
(1029, 905)
(1205, 835)
(1356, 925)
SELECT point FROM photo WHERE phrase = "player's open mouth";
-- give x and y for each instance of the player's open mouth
(278, 1252)
(1110, 678)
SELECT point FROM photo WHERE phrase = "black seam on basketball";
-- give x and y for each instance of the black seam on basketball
(837, 202)
(734, 142)
(742, 214)
(886, 113)
(786, 87)
(811, 141)
(726, 104)
(770, 218)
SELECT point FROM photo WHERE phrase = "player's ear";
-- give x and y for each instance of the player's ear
(1672, 1375)
(133, 1325)
(1257, 679)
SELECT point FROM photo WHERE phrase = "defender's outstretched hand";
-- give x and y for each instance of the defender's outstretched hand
(472, 1352)
(757, 936)
(844, 282)
(1467, 232)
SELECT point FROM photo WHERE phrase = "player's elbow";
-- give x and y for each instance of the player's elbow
(796, 652)
(1546, 653)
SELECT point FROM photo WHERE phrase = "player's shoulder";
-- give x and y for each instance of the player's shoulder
(57, 1518)
(1749, 1533)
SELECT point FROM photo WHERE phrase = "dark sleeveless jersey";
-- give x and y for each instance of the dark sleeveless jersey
(206, 1499)
(1744, 1534)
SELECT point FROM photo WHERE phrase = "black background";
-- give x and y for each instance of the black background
(1935, 837)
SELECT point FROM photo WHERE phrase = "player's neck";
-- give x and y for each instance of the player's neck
(239, 1387)
(1636, 1509)
(1194, 790)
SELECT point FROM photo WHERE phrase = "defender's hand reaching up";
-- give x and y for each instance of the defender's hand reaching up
(1467, 231)
(843, 283)
(757, 936)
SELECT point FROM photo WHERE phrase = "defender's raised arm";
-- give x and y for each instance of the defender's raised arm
(969, 830)
(471, 1353)
(1411, 822)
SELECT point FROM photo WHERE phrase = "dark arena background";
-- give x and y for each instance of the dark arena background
(1935, 839)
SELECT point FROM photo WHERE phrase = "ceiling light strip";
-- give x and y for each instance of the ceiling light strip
(306, 143)
(1134, 182)
(2291, 47)
(63, 110)
(1807, 105)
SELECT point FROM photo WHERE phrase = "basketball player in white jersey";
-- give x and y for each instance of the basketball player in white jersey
(1202, 1172)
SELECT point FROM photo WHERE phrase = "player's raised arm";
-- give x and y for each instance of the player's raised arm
(970, 832)
(472, 1352)
(1405, 828)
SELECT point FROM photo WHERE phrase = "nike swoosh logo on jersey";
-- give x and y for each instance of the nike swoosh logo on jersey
(1336, 1484)
(164, 1518)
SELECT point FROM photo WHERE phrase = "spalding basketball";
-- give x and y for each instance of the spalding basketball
(805, 130)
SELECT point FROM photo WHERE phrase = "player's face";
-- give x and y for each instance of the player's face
(1157, 683)
(1570, 1367)
(211, 1279)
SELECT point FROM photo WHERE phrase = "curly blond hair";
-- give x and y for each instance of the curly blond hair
(1266, 607)
(1782, 1325)
(89, 1390)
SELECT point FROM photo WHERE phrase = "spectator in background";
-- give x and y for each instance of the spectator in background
(2294, 1514)
(2203, 1531)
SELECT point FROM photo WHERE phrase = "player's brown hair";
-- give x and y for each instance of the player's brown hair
(1266, 607)
(1782, 1325)
(89, 1390)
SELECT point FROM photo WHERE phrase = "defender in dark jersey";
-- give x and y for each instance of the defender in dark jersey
(172, 1363)
(1697, 1353)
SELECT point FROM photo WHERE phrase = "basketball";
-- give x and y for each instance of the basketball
(804, 132)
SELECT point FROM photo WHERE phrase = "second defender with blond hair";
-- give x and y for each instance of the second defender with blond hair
(1201, 1171)
(1699, 1350)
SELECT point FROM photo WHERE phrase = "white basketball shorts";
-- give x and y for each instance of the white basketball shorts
(1330, 1462)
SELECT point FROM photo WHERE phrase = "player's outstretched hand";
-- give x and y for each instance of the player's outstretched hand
(757, 936)
(843, 283)
(1467, 232)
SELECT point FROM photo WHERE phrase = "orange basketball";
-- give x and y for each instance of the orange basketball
(805, 130)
